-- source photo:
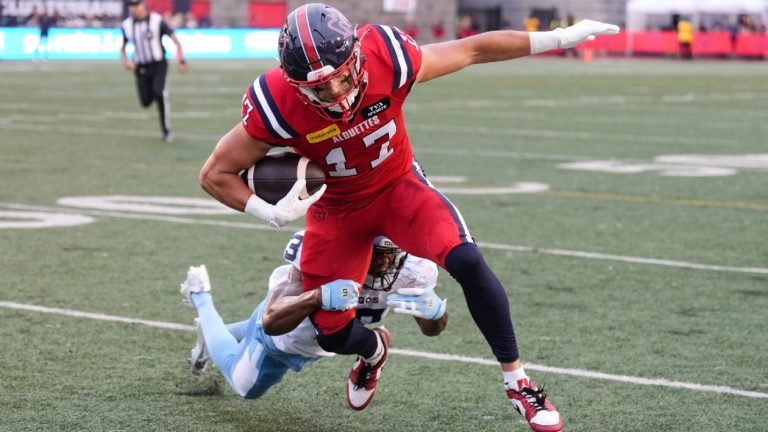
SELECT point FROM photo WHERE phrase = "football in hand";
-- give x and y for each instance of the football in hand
(273, 177)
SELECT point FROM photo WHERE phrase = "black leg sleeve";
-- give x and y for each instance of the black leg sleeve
(486, 299)
(354, 338)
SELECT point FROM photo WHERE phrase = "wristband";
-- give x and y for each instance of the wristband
(256, 206)
(182, 62)
(544, 41)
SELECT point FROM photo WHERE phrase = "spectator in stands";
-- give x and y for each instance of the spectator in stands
(438, 30)
(412, 29)
(531, 24)
(554, 22)
(190, 21)
(569, 20)
(466, 27)
(733, 31)
(685, 38)
(204, 21)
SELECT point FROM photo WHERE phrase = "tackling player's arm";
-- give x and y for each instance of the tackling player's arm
(430, 327)
(447, 57)
(288, 305)
(234, 152)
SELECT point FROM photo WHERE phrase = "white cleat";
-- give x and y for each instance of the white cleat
(200, 357)
(197, 281)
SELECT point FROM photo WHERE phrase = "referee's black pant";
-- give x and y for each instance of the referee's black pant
(150, 82)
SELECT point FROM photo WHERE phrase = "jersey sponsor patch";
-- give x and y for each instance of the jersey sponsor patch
(376, 107)
(323, 134)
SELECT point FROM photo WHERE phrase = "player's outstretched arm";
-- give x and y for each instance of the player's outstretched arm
(447, 57)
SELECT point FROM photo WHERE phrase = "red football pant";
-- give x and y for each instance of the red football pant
(338, 241)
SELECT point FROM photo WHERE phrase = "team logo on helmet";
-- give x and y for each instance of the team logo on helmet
(341, 26)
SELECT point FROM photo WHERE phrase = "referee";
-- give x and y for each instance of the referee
(145, 30)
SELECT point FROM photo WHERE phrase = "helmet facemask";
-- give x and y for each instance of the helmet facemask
(344, 106)
(386, 262)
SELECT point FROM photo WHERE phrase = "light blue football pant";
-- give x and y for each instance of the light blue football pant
(243, 353)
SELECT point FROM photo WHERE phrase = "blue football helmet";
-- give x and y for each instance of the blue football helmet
(317, 44)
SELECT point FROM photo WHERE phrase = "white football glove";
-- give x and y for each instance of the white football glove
(287, 210)
(583, 31)
(419, 302)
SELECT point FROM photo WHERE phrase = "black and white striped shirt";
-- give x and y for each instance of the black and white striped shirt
(147, 35)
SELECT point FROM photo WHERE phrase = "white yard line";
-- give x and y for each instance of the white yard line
(495, 246)
(596, 137)
(581, 373)
(426, 127)
(623, 258)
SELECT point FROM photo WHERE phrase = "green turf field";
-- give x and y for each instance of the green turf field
(636, 264)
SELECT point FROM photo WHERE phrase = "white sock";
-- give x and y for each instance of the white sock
(378, 354)
(515, 379)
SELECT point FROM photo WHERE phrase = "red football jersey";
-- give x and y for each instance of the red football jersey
(359, 158)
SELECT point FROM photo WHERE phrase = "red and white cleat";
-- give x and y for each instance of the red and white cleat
(532, 404)
(364, 376)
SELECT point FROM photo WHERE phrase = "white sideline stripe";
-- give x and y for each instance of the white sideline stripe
(95, 316)
(581, 373)
(141, 216)
(622, 258)
(572, 135)
(590, 374)
(496, 246)
(428, 127)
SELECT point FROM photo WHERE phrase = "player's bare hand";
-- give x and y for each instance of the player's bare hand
(183, 66)
(129, 65)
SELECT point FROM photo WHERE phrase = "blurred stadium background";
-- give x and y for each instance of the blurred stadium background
(724, 28)
(618, 192)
